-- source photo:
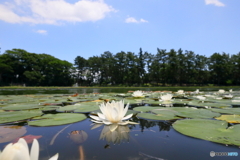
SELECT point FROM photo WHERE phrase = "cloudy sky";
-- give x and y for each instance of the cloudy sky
(66, 29)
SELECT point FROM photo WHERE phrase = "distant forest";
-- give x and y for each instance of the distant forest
(165, 68)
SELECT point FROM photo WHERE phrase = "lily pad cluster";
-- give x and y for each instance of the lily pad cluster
(204, 115)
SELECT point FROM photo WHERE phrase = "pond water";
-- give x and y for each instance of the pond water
(94, 90)
(148, 140)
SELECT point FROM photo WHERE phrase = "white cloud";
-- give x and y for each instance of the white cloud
(214, 2)
(53, 11)
(133, 20)
(41, 31)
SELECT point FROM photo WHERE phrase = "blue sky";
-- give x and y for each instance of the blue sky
(66, 29)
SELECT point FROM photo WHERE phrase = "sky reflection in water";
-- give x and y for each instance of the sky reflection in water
(147, 141)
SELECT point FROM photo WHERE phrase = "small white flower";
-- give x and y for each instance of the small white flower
(138, 94)
(180, 92)
(221, 91)
(197, 91)
(112, 113)
(228, 96)
(166, 97)
(200, 97)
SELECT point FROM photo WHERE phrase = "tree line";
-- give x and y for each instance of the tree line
(174, 67)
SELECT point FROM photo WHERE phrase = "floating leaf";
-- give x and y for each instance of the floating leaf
(58, 119)
(211, 130)
(9, 133)
(6, 117)
(68, 108)
(18, 107)
(164, 115)
(194, 112)
(86, 107)
(216, 105)
(226, 110)
(146, 108)
(131, 112)
(230, 118)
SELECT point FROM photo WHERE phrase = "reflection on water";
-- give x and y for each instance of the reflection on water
(116, 136)
(147, 140)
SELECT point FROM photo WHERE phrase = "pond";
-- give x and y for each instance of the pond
(150, 139)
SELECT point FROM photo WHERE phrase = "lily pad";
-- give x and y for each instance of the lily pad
(164, 115)
(68, 108)
(18, 107)
(86, 107)
(230, 118)
(210, 130)
(194, 112)
(131, 112)
(209, 105)
(226, 110)
(58, 119)
(146, 108)
(9, 133)
(7, 117)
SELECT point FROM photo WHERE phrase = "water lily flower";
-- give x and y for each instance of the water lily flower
(228, 96)
(197, 91)
(166, 97)
(138, 94)
(221, 91)
(113, 113)
(200, 98)
(19, 151)
(180, 92)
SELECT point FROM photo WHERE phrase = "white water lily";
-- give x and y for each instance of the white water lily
(228, 96)
(19, 151)
(166, 97)
(197, 91)
(200, 98)
(180, 92)
(138, 94)
(221, 91)
(113, 113)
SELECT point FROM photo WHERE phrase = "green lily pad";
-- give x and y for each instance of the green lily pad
(226, 110)
(133, 101)
(18, 107)
(7, 117)
(132, 112)
(87, 107)
(163, 115)
(194, 112)
(208, 105)
(68, 108)
(58, 119)
(230, 118)
(49, 108)
(146, 108)
(210, 130)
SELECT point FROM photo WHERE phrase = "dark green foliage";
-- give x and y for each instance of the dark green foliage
(21, 67)
(172, 67)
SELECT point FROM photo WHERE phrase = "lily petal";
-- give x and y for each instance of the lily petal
(34, 153)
